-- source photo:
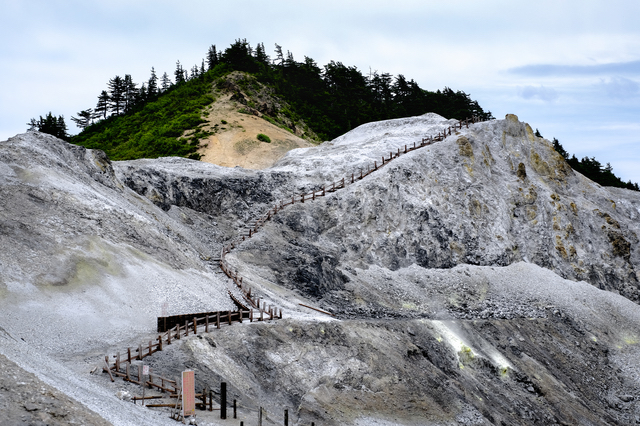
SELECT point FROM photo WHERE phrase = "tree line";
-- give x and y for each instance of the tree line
(331, 99)
(592, 168)
(334, 98)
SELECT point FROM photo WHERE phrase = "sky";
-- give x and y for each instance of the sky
(569, 68)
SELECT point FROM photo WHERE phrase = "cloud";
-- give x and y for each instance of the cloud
(546, 94)
(620, 88)
(547, 70)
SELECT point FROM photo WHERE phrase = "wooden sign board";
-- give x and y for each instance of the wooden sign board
(188, 393)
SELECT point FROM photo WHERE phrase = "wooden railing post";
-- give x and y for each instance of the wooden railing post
(223, 400)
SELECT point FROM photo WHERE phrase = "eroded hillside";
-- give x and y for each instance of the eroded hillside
(243, 109)
(478, 280)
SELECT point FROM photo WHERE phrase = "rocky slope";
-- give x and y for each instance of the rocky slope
(478, 280)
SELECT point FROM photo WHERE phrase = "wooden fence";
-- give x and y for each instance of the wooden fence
(312, 196)
(177, 326)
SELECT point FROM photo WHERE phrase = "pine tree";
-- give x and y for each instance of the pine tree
(261, 54)
(165, 82)
(142, 95)
(103, 105)
(195, 72)
(116, 94)
(179, 73)
(279, 56)
(560, 149)
(50, 124)
(130, 92)
(152, 88)
(84, 119)
(212, 57)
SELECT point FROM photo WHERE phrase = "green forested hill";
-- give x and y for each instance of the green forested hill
(148, 122)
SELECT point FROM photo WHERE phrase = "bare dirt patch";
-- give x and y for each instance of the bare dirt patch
(235, 140)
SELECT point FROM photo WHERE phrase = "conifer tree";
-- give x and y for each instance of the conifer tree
(116, 94)
(103, 104)
(212, 57)
(279, 59)
(165, 82)
(152, 88)
(194, 72)
(50, 124)
(179, 73)
(261, 54)
(130, 92)
(84, 119)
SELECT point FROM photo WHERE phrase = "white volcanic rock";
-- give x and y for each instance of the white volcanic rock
(478, 280)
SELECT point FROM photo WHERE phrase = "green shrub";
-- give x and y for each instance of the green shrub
(263, 138)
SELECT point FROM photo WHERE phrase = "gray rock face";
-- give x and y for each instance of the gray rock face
(463, 201)
(478, 280)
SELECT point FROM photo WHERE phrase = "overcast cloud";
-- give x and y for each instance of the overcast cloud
(570, 69)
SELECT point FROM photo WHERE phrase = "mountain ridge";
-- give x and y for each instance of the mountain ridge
(439, 321)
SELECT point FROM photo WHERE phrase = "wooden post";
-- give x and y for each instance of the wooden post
(240, 310)
(261, 315)
(313, 197)
(293, 199)
(303, 198)
(351, 177)
(160, 343)
(129, 355)
(235, 414)
(206, 323)
(169, 337)
(195, 325)
(250, 314)
(118, 361)
(186, 327)
(128, 376)
(218, 320)
(223, 400)
(286, 417)
(229, 316)
(260, 417)
(323, 190)
(178, 331)
(107, 368)
(140, 352)
(210, 400)
(150, 347)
